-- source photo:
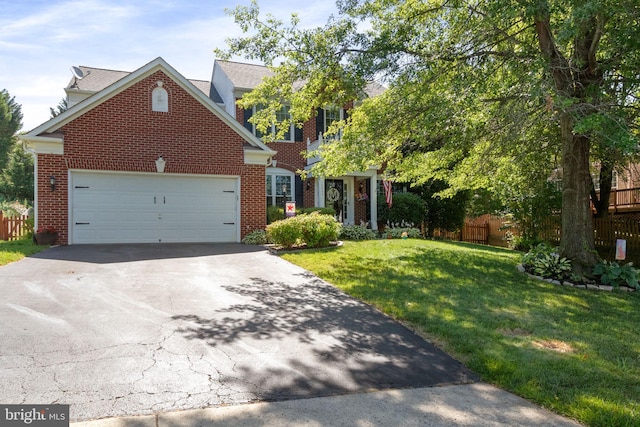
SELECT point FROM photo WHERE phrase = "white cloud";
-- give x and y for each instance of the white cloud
(41, 39)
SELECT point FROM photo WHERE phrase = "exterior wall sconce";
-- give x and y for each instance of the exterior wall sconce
(52, 181)
(160, 164)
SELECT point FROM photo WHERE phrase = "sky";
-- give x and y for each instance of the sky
(41, 40)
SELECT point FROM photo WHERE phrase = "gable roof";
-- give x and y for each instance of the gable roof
(96, 79)
(247, 76)
(48, 133)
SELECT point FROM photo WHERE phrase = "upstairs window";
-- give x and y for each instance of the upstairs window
(160, 99)
(281, 115)
(326, 117)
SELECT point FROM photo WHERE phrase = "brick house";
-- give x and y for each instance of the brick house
(350, 195)
(149, 156)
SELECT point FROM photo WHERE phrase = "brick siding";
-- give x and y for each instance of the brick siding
(124, 134)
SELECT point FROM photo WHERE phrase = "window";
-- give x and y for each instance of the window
(280, 187)
(281, 115)
(331, 115)
(160, 99)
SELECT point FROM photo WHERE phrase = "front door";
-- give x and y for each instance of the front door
(335, 197)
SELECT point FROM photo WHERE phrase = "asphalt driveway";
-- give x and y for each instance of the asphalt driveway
(136, 329)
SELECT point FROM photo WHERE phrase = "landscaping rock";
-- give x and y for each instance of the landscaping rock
(520, 268)
(556, 282)
(565, 283)
(606, 288)
(590, 286)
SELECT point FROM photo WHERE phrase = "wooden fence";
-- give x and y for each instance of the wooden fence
(492, 230)
(13, 228)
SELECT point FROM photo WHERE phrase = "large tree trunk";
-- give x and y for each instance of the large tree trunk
(601, 201)
(577, 240)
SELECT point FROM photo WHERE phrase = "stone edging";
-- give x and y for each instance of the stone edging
(608, 288)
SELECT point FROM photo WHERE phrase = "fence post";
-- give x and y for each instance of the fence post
(3, 227)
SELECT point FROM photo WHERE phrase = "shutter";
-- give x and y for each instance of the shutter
(298, 134)
(247, 115)
(299, 192)
(319, 122)
(345, 114)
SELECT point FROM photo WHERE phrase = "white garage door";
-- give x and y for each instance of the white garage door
(152, 208)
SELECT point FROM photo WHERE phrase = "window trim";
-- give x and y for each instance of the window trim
(271, 171)
(292, 128)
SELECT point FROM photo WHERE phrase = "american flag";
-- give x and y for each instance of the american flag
(388, 192)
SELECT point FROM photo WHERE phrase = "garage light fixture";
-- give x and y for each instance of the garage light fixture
(52, 181)
(160, 164)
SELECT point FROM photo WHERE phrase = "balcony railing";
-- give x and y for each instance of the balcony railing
(627, 199)
(315, 145)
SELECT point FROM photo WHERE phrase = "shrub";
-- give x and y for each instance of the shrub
(274, 213)
(612, 273)
(284, 233)
(542, 260)
(407, 210)
(323, 211)
(315, 230)
(257, 237)
(396, 233)
(356, 232)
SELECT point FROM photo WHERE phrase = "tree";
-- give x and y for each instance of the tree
(10, 123)
(16, 179)
(472, 85)
(60, 108)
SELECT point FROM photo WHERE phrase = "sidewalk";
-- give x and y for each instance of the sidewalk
(476, 404)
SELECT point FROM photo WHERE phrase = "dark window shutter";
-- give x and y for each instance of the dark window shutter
(298, 134)
(319, 122)
(247, 115)
(299, 192)
(345, 114)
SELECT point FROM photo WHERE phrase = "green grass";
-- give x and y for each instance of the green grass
(17, 249)
(575, 352)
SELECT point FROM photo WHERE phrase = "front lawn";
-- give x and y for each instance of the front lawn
(17, 249)
(576, 352)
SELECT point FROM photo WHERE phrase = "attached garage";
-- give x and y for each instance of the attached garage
(152, 208)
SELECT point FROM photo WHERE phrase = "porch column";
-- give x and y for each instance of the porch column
(320, 202)
(373, 200)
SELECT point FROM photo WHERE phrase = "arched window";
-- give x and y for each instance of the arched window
(160, 99)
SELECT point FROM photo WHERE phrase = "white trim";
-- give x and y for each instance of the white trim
(256, 157)
(43, 144)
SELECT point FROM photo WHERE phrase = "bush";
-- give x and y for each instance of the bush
(323, 211)
(315, 230)
(258, 237)
(396, 233)
(612, 273)
(542, 260)
(318, 230)
(356, 232)
(407, 210)
(274, 213)
(284, 233)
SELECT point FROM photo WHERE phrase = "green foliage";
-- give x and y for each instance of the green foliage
(274, 213)
(10, 123)
(542, 260)
(317, 230)
(477, 93)
(314, 230)
(356, 232)
(614, 274)
(16, 179)
(257, 237)
(399, 233)
(323, 211)
(407, 210)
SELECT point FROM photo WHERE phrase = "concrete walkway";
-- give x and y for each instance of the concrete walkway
(458, 405)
